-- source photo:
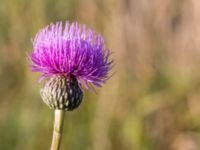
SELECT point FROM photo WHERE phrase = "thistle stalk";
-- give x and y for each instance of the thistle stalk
(57, 129)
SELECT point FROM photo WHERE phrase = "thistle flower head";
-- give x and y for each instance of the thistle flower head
(72, 51)
(71, 56)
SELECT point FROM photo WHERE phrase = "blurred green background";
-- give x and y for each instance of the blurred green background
(151, 103)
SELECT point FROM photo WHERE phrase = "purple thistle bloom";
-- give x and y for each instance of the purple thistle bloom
(73, 51)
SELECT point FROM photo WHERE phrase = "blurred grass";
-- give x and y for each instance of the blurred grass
(152, 101)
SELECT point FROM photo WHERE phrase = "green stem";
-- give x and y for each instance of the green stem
(57, 130)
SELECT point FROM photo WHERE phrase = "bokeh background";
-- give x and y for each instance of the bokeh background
(151, 103)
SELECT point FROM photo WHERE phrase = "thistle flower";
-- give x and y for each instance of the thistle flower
(72, 58)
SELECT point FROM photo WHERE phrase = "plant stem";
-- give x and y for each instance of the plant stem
(57, 130)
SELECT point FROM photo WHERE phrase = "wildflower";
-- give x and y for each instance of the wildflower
(70, 58)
